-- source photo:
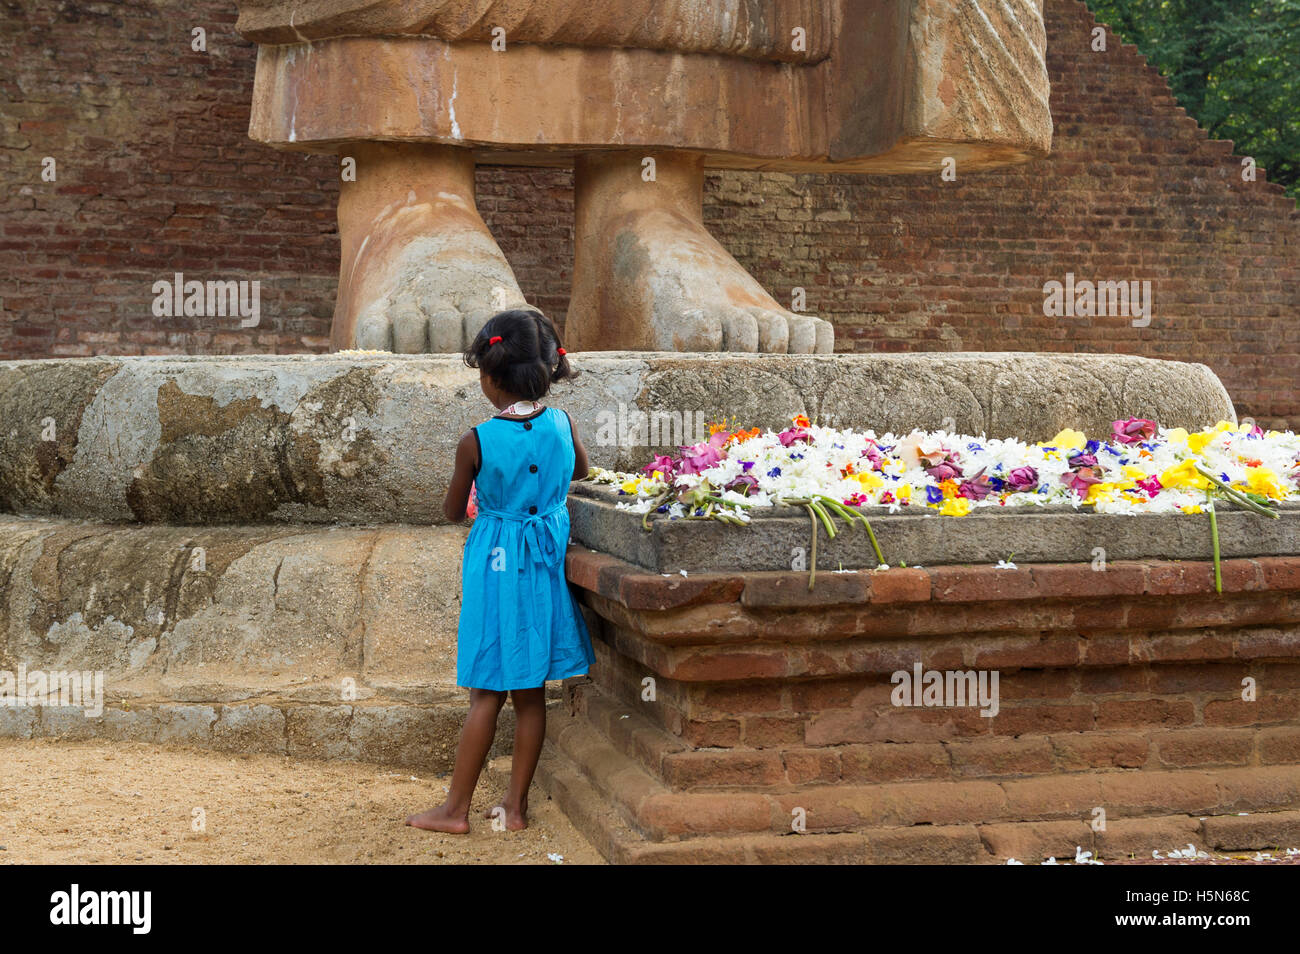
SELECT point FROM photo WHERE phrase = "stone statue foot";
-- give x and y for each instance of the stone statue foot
(419, 271)
(648, 276)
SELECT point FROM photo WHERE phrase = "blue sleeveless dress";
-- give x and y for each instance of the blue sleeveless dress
(519, 623)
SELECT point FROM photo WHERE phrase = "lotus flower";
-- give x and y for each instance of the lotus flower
(1134, 430)
(700, 457)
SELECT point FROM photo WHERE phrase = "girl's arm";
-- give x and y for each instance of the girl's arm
(454, 507)
(580, 464)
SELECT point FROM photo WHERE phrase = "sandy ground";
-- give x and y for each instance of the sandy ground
(127, 803)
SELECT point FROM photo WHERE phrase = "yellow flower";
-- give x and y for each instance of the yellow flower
(1066, 440)
(869, 481)
(1193, 508)
(1100, 493)
(955, 507)
(631, 486)
(949, 487)
(1183, 476)
(1134, 473)
(1263, 481)
(904, 492)
(1177, 435)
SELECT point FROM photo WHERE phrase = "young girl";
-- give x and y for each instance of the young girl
(519, 624)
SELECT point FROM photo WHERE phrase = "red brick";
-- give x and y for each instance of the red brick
(1188, 748)
(1126, 713)
(1080, 751)
(978, 584)
(780, 590)
(893, 762)
(1081, 581)
(900, 585)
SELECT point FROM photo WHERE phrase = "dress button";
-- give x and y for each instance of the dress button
(528, 425)
(532, 468)
(532, 510)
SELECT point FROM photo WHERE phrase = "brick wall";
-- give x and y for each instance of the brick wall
(156, 175)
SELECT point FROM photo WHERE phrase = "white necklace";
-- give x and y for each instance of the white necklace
(519, 410)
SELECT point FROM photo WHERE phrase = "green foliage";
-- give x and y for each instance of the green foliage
(1233, 64)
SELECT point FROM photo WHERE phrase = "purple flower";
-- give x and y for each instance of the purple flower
(944, 471)
(742, 484)
(1133, 430)
(934, 494)
(1023, 479)
(1083, 460)
(977, 488)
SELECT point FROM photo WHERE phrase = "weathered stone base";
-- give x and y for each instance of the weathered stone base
(416, 737)
(329, 642)
(1120, 692)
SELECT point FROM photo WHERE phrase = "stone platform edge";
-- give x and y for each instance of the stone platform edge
(921, 537)
(632, 587)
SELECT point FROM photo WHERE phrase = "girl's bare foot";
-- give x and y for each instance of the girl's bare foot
(515, 818)
(441, 819)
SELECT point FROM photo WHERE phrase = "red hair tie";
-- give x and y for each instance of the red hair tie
(493, 340)
(560, 351)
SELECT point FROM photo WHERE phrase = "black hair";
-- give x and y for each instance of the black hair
(526, 359)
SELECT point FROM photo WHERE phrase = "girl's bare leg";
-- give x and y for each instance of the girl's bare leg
(475, 741)
(530, 733)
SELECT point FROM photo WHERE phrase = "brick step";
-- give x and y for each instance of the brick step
(381, 730)
(776, 768)
(661, 814)
(604, 822)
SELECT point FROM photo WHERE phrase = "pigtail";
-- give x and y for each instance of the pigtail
(520, 350)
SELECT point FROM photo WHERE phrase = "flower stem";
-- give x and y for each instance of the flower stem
(1235, 495)
(812, 563)
(1214, 538)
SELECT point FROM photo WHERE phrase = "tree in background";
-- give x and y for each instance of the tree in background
(1233, 64)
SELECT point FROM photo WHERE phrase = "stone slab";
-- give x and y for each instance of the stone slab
(779, 538)
(370, 438)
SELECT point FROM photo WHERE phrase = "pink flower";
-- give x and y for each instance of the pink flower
(1023, 479)
(1080, 480)
(793, 435)
(1133, 430)
(700, 457)
(1151, 485)
(664, 464)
